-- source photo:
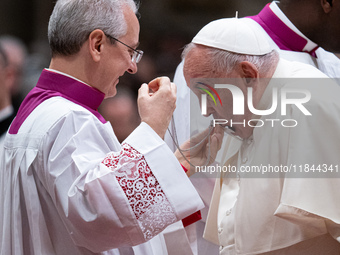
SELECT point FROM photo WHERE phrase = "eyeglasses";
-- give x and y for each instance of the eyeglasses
(137, 54)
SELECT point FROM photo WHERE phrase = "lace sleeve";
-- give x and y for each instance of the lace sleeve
(148, 202)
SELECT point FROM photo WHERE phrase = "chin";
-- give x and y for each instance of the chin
(111, 93)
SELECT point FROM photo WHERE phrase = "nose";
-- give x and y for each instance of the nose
(210, 111)
(132, 68)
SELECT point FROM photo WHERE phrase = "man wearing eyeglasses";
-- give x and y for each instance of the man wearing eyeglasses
(67, 185)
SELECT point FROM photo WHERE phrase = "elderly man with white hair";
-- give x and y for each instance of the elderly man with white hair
(286, 126)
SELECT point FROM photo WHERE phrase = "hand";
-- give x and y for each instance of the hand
(156, 103)
(201, 152)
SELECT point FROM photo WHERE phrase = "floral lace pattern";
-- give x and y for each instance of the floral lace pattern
(146, 197)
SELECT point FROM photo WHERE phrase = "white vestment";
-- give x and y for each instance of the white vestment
(69, 187)
(6, 116)
(292, 214)
(326, 62)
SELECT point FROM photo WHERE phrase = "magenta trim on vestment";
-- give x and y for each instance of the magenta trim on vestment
(281, 34)
(51, 84)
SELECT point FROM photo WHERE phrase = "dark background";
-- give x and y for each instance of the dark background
(166, 26)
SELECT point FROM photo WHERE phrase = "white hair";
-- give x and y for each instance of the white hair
(222, 61)
(72, 21)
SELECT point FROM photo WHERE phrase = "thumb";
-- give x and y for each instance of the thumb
(213, 148)
(143, 90)
(173, 87)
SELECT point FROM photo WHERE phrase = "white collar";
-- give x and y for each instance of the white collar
(310, 44)
(67, 75)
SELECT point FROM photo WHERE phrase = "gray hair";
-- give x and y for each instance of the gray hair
(72, 21)
(222, 61)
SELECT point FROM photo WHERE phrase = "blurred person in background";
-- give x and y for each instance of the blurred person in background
(17, 54)
(121, 111)
(7, 112)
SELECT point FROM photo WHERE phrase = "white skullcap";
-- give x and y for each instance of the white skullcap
(234, 35)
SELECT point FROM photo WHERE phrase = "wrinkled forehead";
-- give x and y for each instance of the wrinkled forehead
(197, 63)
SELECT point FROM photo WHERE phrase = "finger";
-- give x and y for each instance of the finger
(143, 90)
(199, 142)
(164, 83)
(156, 83)
(173, 87)
(198, 137)
(214, 148)
(219, 134)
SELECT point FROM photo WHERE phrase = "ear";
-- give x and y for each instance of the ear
(327, 5)
(97, 40)
(10, 74)
(249, 72)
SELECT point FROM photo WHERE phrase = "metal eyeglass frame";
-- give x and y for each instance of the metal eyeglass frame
(137, 54)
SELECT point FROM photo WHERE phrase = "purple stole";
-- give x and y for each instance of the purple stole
(281, 34)
(51, 84)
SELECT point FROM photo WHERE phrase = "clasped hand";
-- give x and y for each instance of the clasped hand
(201, 149)
(156, 103)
